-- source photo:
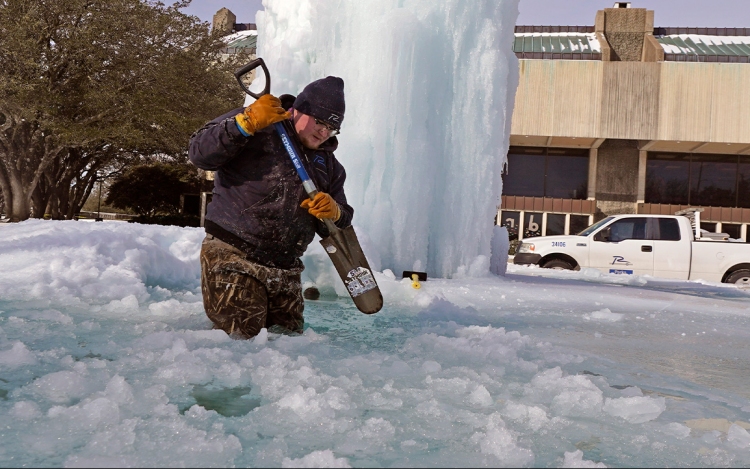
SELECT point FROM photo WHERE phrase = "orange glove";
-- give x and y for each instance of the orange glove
(263, 112)
(322, 206)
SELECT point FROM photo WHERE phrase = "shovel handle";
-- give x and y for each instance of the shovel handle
(307, 182)
(240, 72)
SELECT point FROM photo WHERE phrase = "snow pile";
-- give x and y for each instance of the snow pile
(429, 91)
(116, 264)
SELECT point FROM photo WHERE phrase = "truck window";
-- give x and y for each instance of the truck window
(628, 228)
(668, 229)
(594, 227)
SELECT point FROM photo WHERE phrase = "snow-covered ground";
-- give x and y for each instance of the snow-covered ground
(107, 359)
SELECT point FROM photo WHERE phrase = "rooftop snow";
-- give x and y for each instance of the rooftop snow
(558, 43)
(242, 39)
(696, 44)
(532, 43)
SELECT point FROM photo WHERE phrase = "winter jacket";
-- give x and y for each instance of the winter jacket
(257, 192)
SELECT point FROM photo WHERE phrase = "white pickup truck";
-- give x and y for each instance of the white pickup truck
(657, 245)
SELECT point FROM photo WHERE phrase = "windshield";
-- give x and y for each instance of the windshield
(595, 226)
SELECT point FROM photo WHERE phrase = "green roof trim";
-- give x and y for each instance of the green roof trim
(556, 43)
(247, 42)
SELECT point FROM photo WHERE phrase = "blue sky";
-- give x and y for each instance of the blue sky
(709, 13)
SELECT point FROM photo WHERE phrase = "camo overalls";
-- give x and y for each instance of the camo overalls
(242, 297)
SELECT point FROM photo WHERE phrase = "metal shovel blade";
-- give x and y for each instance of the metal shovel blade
(346, 254)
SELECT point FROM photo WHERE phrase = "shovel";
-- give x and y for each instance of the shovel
(342, 246)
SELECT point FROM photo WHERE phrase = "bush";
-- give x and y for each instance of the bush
(153, 189)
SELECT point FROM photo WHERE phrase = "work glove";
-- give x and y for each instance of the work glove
(322, 206)
(265, 111)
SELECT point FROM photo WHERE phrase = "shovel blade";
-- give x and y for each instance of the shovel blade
(351, 264)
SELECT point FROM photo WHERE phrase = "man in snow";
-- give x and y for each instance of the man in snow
(260, 220)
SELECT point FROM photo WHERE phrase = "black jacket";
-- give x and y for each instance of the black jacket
(257, 191)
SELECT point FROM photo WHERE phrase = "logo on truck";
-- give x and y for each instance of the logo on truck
(619, 260)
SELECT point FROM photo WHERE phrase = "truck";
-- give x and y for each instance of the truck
(667, 246)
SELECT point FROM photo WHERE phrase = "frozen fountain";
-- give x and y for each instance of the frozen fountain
(429, 90)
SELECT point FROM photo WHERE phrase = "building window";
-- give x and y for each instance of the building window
(579, 223)
(692, 179)
(547, 172)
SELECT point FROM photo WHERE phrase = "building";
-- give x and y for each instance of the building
(622, 117)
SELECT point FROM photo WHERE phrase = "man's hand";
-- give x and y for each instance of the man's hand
(322, 206)
(265, 111)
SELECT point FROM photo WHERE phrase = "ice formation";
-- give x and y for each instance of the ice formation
(429, 94)
(107, 359)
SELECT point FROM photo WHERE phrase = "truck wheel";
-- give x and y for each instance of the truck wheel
(557, 264)
(740, 277)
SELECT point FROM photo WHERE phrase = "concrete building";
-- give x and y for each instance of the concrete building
(622, 117)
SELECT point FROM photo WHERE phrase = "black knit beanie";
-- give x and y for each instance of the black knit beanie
(323, 99)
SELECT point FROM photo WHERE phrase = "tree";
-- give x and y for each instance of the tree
(89, 83)
(154, 188)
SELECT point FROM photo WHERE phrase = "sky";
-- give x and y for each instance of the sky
(708, 13)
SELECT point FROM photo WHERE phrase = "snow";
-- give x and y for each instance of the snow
(107, 359)
(701, 39)
(429, 95)
(229, 38)
(586, 42)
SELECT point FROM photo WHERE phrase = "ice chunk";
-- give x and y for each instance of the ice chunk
(262, 337)
(635, 409)
(604, 315)
(578, 402)
(175, 308)
(533, 416)
(25, 410)
(324, 458)
(568, 395)
(431, 366)
(575, 459)
(677, 430)
(18, 355)
(738, 436)
(500, 442)
(61, 386)
(480, 397)
(119, 390)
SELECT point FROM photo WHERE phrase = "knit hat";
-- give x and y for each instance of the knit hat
(323, 99)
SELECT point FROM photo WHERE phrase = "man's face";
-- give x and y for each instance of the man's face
(310, 133)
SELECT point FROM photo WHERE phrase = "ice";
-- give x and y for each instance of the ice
(635, 409)
(605, 315)
(324, 458)
(18, 355)
(677, 430)
(125, 370)
(738, 436)
(429, 93)
(575, 459)
(499, 255)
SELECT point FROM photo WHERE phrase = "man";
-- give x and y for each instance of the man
(260, 220)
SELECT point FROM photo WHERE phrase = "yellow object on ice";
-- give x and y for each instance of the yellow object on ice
(415, 282)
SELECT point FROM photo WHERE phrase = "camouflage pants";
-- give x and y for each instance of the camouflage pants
(242, 297)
